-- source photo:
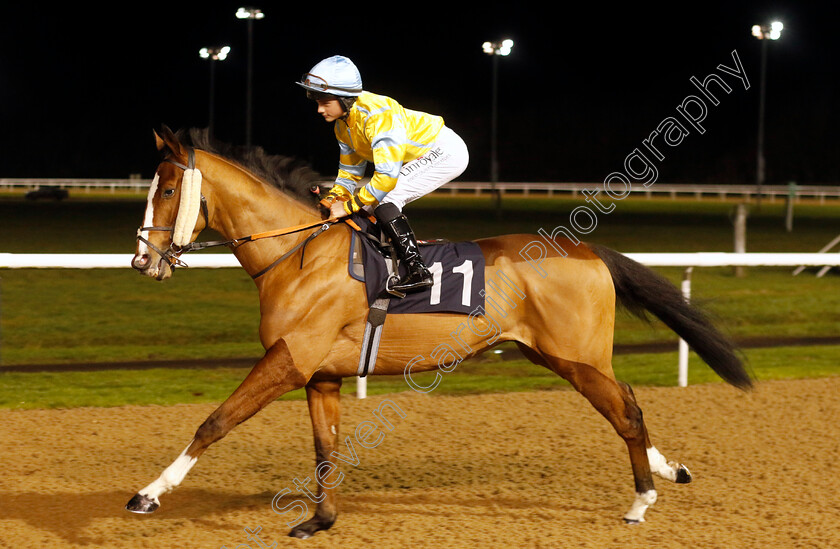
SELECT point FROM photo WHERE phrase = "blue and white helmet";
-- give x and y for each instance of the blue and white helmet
(335, 75)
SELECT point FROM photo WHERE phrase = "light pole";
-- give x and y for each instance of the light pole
(764, 33)
(495, 49)
(249, 14)
(213, 54)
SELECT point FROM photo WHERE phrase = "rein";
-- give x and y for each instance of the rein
(173, 253)
(236, 242)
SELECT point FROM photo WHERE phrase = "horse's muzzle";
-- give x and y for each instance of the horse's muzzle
(144, 264)
(140, 262)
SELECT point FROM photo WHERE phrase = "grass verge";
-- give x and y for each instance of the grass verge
(163, 386)
(90, 316)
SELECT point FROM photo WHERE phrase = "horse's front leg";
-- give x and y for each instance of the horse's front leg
(325, 411)
(274, 375)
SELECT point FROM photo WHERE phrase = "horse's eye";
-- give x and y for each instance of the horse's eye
(168, 193)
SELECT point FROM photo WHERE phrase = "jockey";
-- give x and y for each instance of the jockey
(413, 153)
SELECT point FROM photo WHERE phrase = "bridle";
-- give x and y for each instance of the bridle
(172, 254)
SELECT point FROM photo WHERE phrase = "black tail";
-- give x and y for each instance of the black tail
(640, 290)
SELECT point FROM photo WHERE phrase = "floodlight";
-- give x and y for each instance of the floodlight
(249, 13)
(215, 54)
(498, 48)
(773, 31)
(762, 32)
(495, 49)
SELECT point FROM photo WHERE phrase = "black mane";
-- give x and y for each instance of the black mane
(293, 176)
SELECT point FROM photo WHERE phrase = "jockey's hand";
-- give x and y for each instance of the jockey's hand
(337, 209)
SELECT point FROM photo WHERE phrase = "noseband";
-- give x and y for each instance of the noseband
(171, 255)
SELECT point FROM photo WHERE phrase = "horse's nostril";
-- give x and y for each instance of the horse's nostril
(140, 261)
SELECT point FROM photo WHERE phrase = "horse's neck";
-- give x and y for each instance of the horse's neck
(242, 205)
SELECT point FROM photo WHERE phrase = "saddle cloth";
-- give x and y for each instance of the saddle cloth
(457, 269)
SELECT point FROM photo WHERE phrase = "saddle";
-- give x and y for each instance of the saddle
(457, 269)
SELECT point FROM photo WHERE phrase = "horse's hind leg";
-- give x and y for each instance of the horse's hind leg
(621, 410)
(274, 375)
(619, 407)
(669, 470)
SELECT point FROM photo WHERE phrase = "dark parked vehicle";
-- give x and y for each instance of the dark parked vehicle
(47, 193)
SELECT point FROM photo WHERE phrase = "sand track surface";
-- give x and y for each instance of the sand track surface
(507, 470)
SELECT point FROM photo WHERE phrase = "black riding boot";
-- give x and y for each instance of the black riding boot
(395, 226)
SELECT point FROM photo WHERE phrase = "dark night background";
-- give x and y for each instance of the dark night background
(81, 90)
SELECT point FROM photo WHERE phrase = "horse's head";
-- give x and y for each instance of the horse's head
(172, 217)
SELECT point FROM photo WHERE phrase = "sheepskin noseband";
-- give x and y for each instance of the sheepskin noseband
(189, 207)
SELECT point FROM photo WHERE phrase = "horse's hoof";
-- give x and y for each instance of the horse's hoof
(299, 534)
(141, 504)
(309, 528)
(633, 521)
(683, 475)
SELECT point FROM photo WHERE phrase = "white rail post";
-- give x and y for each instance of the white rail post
(740, 235)
(361, 387)
(682, 369)
(791, 198)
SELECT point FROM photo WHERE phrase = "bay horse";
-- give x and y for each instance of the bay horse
(312, 314)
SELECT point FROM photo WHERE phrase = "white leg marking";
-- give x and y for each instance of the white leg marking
(637, 511)
(665, 469)
(170, 478)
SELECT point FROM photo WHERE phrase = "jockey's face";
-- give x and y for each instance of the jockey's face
(330, 109)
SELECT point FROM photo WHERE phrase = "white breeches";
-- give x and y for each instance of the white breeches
(446, 160)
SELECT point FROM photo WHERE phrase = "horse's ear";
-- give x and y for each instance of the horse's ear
(167, 140)
(159, 143)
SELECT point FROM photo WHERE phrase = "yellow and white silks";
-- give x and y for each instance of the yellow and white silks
(378, 129)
